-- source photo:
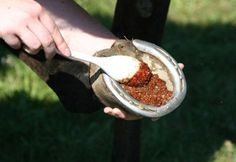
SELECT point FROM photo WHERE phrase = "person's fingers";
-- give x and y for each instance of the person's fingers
(128, 116)
(30, 51)
(47, 21)
(181, 65)
(31, 42)
(119, 113)
(109, 111)
(12, 40)
(113, 112)
(44, 37)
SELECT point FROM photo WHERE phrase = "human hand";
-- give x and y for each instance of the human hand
(26, 23)
(122, 114)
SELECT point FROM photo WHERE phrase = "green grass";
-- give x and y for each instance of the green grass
(201, 34)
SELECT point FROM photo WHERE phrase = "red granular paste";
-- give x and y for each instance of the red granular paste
(142, 76)
(154, 92)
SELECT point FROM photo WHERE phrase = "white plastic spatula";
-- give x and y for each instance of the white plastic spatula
(118, 67)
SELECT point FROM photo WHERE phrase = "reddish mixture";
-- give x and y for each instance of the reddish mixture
(142, 76)
(154, 92)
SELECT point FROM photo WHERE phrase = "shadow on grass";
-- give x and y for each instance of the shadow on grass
(39, 130)
(33, 130)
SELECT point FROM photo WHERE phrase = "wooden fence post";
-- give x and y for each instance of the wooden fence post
(135, 19)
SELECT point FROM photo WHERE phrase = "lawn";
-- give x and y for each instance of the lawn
(34, 126)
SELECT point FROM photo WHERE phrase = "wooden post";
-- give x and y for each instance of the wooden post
(135, 19)
(140, 19)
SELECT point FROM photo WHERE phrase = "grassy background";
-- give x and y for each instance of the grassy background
(202, 34)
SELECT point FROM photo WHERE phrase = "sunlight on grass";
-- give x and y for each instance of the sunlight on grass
(103, 7)
(102, 10)
(227, 153)
(19, 77)
(202, 12)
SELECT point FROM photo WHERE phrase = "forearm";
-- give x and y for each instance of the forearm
(84, 34)
(81, 31)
